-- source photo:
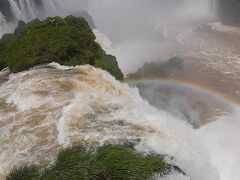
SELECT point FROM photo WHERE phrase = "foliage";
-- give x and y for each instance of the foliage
(67, 41)
(110, 162)
(159, 68)
(120, 162)
(25, 172)
(110, 64)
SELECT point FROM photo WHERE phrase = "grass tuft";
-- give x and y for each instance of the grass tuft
(110, 162)
(25, 172)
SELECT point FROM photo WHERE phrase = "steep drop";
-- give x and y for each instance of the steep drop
(51, 107)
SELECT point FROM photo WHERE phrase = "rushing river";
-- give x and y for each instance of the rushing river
(52, 106)
(47, 108)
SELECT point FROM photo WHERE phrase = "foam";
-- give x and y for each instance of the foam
(88, 105)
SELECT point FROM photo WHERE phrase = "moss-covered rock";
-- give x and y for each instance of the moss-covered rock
(86, 16)
(110, 162)
(67, 41)
(159, 68)
(110, 64)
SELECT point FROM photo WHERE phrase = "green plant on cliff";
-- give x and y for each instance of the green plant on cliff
(31, 172)
(67, 41)
(110, 162)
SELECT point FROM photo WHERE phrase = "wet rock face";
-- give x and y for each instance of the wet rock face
(159, 69)
(229, 11)
(5, 10)
(87, 17)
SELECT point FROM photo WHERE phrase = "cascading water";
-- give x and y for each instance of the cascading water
(14, 10)
(204, 8)
(11, 11)
(44, 109)
(50, 107)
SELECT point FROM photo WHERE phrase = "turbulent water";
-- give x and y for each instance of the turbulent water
(50, 107)
(46, 108)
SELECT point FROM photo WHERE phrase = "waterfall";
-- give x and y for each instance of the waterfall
(13, 10)
(44, 109)
(199, 8)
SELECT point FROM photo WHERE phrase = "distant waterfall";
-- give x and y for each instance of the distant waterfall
(11, 11)
(28, 9)
(200, 8)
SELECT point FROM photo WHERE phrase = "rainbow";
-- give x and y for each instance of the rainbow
(198, 87)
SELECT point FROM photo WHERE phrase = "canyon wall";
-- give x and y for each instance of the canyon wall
(229, 11)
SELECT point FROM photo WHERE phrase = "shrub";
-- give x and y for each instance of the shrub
(67, 41)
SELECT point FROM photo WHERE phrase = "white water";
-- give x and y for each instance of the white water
(42, 110)
(27, 10)
(45, 109)
(196, 8)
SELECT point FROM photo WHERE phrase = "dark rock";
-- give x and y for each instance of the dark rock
(229, 11)
(6, 10)
(86, 16)
(206, 28)
(159, 69)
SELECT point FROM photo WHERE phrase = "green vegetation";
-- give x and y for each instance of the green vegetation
(30, 172)
(159, 68)
(110, 64)
(67, 41)
(110, 162)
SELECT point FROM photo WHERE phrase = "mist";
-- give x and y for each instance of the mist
(138, 28)
(186, 107)
(139, 31)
